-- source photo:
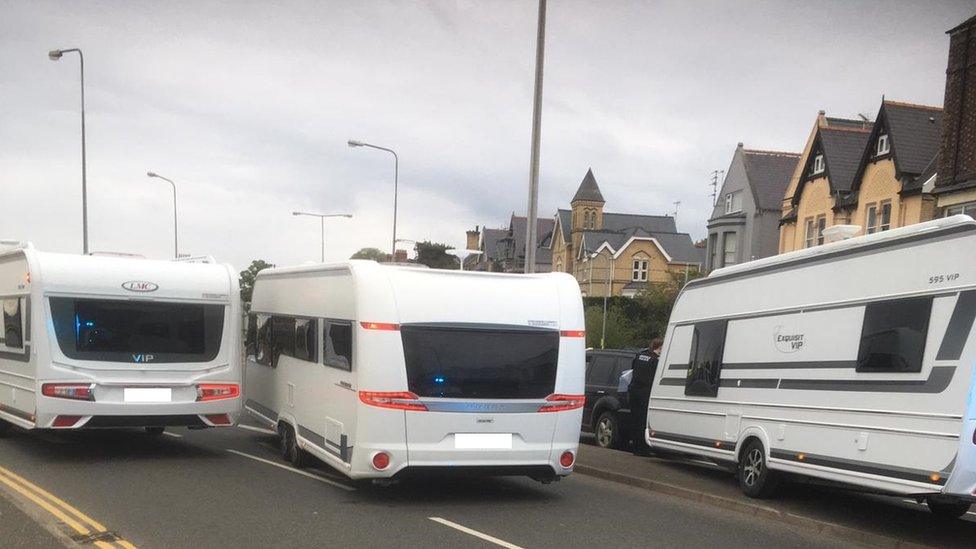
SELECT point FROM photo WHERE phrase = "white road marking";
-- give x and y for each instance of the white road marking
(174, 435)
(257, 429)
(475, 533)
(293, 470)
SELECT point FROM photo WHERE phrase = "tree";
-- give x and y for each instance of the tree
(247, 279)
(435, 255)
(371, 253)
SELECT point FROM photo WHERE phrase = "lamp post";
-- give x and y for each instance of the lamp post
(606, 294)
(322, 221)
(531, 227)
(176, 238)
(55, 55)
(396, 177)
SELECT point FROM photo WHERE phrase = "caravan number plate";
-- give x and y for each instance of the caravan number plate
(147, 394)
(483, 441)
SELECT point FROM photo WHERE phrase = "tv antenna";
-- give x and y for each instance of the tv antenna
(676, 204)
(714, 183)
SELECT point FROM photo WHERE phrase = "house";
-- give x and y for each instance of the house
(891, 187)
(955, 182)
(617, 253)
(877, 175)
(744, 224)
(824, 172)
(503, 250)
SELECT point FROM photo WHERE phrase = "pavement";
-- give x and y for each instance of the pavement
(229, 488)
(828, 511)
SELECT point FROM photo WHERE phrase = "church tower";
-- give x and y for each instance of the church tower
(587, 206)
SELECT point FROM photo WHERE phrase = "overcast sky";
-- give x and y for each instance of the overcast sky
(248, 107)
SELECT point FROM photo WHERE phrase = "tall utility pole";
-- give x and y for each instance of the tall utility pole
(176, 225)
(533, 210)
(715, 175)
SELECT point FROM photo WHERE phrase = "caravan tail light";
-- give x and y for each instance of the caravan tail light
(573, 333)
(383, 326)
(404, 400)
(217, 391)
(561, 403)
(567, 459)
(74, 391)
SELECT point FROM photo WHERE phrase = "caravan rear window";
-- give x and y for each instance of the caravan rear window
(459, 361)
(136, 331)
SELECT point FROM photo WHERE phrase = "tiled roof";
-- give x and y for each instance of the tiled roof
(677, 245)
(494, 248)
(650, 223)
(915, 132)
(842, 151)
(588, 189)
(566, 223)
(917, 183)
(769, 174)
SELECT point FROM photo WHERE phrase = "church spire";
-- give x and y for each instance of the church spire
(588, 190)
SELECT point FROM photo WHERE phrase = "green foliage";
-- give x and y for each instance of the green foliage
(633, 322)
(247, 279)
(435, 255)
(371, 253)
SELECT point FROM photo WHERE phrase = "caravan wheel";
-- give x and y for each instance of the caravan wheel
(289, 447)
(948, 510)
(755, 478)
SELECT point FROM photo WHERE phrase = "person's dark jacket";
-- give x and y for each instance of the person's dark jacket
(644, 366)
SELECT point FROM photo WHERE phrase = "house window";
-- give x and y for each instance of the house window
(893, 335)
(730, 247)
(809, 237)
(883, 145)
(713, 251)
(821, 225)
(819, 165)
(640, 270)
(966, 209)
(733, 202)
(705, 362)
(878, 217)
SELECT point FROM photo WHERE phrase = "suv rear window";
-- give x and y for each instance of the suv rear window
(136, 331)
(464, 361)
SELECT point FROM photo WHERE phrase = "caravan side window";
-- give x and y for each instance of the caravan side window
(13, 324)
(284, 337)
(893, 335)
(338, 344)
(306, 347)
(705, 362)
(264, 341)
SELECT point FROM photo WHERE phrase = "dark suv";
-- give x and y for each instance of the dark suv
(607, 412)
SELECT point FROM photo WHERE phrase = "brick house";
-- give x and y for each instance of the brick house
(955, 183)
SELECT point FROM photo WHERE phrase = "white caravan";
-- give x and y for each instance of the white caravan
(102, 342)
(849, 362)
(383, 371)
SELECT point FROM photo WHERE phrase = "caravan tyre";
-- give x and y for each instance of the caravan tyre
(948, 510)
(755, 478)
(289, 447)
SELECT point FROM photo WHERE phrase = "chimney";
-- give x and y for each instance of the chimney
(473, 238)
(957, 153)
(400, 256)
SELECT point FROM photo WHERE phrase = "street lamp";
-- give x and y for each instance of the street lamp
(603, 335)
(55, 55)
(322, 221)
(396, 176)
(176, 237)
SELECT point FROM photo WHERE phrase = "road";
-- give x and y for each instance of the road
(223, 488)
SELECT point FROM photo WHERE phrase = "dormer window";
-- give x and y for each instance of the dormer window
(818, 165)
(733, 202)
(883, 145)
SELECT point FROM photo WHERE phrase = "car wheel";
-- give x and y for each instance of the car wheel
(948, 510)
(155, 431)
(607, 430)
(755, 478)
(289, 447)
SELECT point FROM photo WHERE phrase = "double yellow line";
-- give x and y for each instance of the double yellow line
(82, 524)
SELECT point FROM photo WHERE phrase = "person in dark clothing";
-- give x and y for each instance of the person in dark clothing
(639, 393)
